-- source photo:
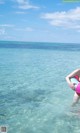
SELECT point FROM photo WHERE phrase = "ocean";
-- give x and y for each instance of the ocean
(34, 95)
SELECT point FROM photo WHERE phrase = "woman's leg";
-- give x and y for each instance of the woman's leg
(75, 99)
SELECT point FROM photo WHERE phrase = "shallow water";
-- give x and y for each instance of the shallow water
(34, 96)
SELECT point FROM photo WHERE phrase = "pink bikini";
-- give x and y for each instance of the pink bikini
(78, 85)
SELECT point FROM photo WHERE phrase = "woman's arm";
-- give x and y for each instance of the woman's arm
(75, 72)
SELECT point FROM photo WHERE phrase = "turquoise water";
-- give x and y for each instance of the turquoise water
(34, 96)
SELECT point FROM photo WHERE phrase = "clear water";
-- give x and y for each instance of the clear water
(34, 96)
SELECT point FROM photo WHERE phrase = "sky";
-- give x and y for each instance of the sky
(40, 20)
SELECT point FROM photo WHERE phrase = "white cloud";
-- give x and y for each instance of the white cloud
(7, 25)
(20, 12)
(3, 28)
(25, 4)
(2, 31)
(9, 37)
(28, 29)
(66, 19)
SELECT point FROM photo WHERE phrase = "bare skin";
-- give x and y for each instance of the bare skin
(72, 86)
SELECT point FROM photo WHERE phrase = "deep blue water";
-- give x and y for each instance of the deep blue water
(34, 96)
(38, 45)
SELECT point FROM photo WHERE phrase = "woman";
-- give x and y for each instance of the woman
(76, 75)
